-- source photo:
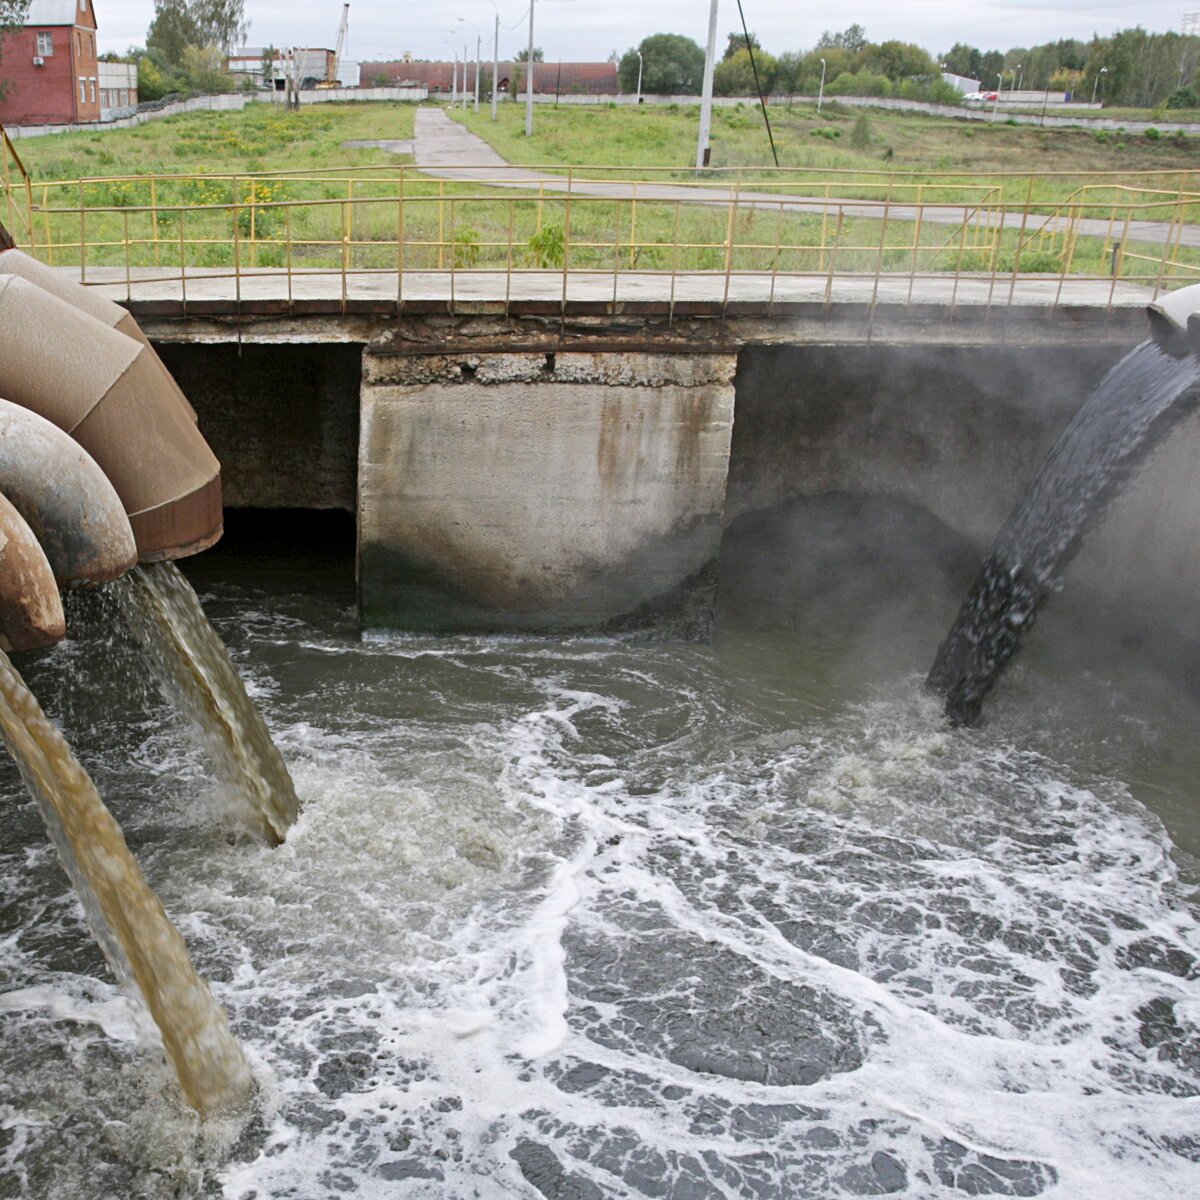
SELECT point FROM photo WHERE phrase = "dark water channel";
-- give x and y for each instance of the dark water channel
(608, 917)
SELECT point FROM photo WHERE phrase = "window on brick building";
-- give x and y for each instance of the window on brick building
(83, 91)
(92, 86)
(45, 44)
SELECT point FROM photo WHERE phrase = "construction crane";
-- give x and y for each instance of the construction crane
(341, 45)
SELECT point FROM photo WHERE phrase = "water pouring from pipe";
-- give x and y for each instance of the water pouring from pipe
(142, 946)
(1133, 409)
(194, 670)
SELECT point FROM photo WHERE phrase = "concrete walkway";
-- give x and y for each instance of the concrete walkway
(445, 149)
(162, 291)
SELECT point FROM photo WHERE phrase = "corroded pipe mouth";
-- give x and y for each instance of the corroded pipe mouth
(101, 463)
(67, 501)
(31, 612)
(1175, 321)
(106, 391)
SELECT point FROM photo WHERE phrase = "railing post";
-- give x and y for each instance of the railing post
(441, 225)
(730, 234)
(154, 218)
(46, 225)
(566, 263)
(82, 237)
(237, 245)
(632, 228)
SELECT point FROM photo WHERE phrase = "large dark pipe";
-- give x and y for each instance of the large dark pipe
(31, 612)
(1175, 321)
(103, 389)
(88, 300)
(64, 497)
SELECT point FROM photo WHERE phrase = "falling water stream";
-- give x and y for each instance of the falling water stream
(143, 948)
(194, 670)
(1136, 404)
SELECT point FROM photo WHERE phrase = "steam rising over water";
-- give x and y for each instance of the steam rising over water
(605, 918)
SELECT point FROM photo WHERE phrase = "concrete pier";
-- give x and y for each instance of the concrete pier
(538, 490)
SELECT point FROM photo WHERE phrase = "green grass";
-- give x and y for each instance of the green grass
(262, 137)
(909, 147)
(207, 220)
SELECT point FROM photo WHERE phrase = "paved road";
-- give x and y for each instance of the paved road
(447, 150)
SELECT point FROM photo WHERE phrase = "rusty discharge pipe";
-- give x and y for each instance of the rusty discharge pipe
(31, 612)
(105, 390)
(66, 500)
(88, 300)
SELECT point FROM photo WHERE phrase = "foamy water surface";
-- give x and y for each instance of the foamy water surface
(607, 918)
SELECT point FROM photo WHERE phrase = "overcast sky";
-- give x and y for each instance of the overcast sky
(589, 30)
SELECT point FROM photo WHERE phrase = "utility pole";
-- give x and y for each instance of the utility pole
(495, 63)
(529, 77)
(702, 150)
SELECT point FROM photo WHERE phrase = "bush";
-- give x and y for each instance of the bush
(1185, 97)
(1152, 134)
(861, 84)
(830, 135)
(466, 247)
(547, 247)
(860, 135)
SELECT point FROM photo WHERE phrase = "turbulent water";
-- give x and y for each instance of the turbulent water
(143, 948)
(1132, 409)
(605, 918)
(194, 670)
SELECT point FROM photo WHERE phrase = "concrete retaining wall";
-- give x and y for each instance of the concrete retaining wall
(566, 488)
(538, 491)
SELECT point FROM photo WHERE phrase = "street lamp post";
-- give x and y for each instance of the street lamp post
(1020, 77)
(999, 89)
(529, 78)
(478, 47)
(479, 42)
(454, 79)
(821, 89)
(639, 86)
(495, 56)
(706, 89)
(1102, 71)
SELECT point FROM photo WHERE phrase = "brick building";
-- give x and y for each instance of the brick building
(50, 66)
(562, 78)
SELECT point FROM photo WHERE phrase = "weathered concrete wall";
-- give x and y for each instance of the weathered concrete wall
(283, 420)
(534, 490)
(961, 432)
(957, 430)
(563, 487)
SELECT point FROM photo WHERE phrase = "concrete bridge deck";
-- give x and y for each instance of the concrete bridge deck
(1038, 310)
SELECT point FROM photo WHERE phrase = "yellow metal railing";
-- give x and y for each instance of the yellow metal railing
(17, 211)
(487, 232)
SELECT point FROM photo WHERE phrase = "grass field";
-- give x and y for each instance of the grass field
(838, 139)
(183, 165)
(263, 137)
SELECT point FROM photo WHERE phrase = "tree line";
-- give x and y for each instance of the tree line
(1131, 67)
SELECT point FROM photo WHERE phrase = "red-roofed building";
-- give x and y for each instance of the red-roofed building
(50, 67)
(565, 79)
